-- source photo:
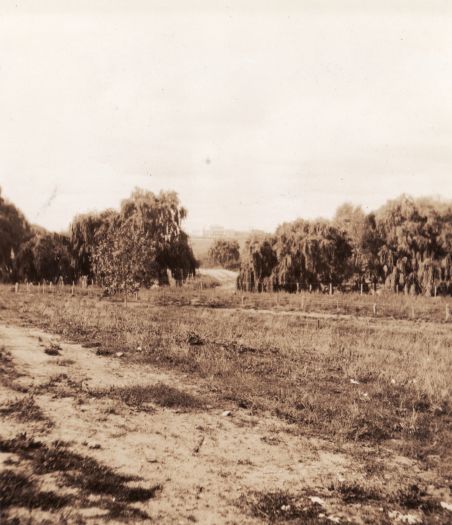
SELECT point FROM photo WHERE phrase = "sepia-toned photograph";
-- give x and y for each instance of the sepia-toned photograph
(225, 262)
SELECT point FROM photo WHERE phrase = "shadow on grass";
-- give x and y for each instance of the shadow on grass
(78, 472)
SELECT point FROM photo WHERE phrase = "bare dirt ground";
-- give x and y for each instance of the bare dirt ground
(197, 464)
(203, 461)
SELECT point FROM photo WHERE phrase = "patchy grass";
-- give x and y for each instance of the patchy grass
(18, 490)
(8, 372)
(357, 382)
(82, 473)
(24, 409)
(281, 506)
(298, 368)
(139, 396)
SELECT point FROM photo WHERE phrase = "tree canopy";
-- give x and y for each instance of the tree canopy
(225, 253)
(406, 245)
(14, 230)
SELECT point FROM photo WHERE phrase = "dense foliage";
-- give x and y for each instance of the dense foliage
(137, 245)
(14, 230)
(120, 250)
(225, 253)
(405, 246)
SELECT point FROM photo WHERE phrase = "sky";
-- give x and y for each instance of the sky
(255, 113)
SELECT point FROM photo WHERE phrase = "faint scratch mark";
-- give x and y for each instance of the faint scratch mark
(49, 201)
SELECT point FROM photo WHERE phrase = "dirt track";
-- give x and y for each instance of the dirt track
(204, 461)
(227, 278)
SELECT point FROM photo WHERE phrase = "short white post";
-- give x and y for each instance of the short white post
(16, 288)
(375, 308)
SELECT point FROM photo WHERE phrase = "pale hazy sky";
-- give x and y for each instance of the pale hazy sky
(254, 112)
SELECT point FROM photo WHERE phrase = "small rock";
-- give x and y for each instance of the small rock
(139, 349)
(119, 354)
(316, 499)
(354, 382)
(226, 413)
(445, 505)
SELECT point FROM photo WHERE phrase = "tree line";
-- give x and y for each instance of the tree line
(140, 244)
(405, 246)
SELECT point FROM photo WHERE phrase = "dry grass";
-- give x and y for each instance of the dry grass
(24, 409)
(351, 380)
(139, 396)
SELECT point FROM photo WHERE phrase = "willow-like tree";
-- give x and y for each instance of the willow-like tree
(14, 230)
(44, 256)
(225, 253)
(139, 244)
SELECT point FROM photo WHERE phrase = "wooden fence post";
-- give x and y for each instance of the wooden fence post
(375, 308)
(16, 288)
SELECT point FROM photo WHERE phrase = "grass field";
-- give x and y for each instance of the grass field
(372, 381)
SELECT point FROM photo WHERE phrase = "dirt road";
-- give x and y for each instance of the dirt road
(227, 278)
(200, 464)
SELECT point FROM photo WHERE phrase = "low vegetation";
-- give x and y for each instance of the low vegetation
(347, 379)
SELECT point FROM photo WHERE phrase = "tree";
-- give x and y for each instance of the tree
(137, 245)
(310, 253)
(258, 262)
(85, 233)
(45, 256)
(225, 253)
(14, 229)
(416, 242)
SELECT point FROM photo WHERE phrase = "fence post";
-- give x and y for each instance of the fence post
(375, 308)
(361, 288)
(16, 288)
(435, 290)
(331, 288)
